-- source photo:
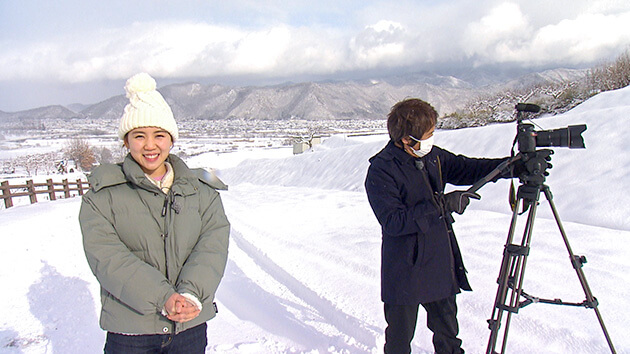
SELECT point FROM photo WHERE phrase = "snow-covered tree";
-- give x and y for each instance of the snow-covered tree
(610, 76)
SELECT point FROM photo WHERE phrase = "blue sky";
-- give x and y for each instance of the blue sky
(61, 52)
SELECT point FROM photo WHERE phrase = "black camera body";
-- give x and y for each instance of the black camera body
(536, 162)
(531, 165)
(529, 139)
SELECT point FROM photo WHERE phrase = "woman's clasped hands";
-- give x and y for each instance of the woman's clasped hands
(181, 309)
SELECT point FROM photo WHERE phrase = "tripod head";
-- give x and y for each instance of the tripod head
(535, 167)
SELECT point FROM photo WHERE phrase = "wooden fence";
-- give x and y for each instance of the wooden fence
(51, 188)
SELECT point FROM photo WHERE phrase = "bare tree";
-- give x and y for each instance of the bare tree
(79, 150)
(33, 164)
(610, 76)
(119, 152)
(8, 166)
(104, 155)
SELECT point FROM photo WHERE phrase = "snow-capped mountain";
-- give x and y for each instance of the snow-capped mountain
(327, 100)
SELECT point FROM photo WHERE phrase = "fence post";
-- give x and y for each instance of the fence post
(31, 191)
(51, 189)
(6, 193)
(66, 188)
(80, 186)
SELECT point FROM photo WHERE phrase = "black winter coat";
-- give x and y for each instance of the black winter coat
(421, 261)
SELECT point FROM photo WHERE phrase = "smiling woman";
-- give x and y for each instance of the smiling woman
(150, 147)
(155, 235)
(147, 126)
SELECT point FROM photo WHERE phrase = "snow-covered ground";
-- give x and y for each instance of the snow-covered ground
(303, 271)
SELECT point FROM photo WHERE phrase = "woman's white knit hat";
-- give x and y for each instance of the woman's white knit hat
(146, 108)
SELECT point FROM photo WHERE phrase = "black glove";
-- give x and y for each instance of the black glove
(541, 161)
(515, 169)
(518, 167)
(457, 201)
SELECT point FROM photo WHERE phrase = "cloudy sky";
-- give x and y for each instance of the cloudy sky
(80, 51)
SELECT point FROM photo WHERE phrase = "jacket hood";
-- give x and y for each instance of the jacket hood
(106, 175)
(186, 180)
(209, 178)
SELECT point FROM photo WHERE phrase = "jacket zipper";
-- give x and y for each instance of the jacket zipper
(165, 214)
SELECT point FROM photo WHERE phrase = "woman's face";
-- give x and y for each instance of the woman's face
(150, 147)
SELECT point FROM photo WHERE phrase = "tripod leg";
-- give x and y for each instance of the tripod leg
(512, 270)
(506, 266)
(577, 265)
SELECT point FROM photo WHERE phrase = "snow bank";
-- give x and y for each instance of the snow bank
(589, 185)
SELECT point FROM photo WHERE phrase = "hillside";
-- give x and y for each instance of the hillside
(329, 100)
(55, 111)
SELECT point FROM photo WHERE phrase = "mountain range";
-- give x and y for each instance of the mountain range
(325, 100)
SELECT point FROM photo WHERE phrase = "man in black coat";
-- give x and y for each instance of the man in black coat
(421, 261)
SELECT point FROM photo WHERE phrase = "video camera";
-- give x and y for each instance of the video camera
(535, 162)
(529, 139)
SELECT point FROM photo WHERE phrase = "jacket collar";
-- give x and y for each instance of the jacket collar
(393, 152)
(185, 182)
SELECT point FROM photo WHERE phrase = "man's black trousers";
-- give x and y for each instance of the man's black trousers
(441, 320)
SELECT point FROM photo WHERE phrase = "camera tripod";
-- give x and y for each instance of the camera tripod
(512, 272)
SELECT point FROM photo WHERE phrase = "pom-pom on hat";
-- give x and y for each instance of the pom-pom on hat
(146, 108)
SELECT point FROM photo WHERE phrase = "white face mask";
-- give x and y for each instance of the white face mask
(425, 147)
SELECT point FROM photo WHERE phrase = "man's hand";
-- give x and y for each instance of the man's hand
(457, 201)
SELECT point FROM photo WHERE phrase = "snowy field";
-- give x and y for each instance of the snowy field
(303, 270)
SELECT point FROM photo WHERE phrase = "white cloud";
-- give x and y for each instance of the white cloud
(378, 44)
(176, 50)
(384, 34)
(261, 51)
(507, 35)
(584, 39)
(498, 33)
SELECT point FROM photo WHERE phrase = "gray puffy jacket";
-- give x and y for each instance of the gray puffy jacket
(143, 245)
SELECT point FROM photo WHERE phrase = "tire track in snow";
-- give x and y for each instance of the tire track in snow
(253, 303)
(356, 335)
